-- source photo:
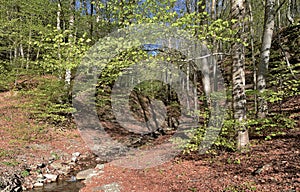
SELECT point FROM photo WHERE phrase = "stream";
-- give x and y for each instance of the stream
(60, 186)
(64, 185)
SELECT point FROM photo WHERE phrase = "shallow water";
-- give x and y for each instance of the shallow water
(60, 186)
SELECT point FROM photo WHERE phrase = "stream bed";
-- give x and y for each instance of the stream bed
(60, 186)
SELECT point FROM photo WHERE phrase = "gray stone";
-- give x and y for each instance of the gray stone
(61, 168)
(38, 185)
(51, 177)
(112, 187)
(100, 166)
(82, 175)
(57, 165)
(41, 180)
(76, 154)
(40, 176)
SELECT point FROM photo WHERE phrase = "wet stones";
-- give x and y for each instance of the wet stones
(11, 183)
(56, 167)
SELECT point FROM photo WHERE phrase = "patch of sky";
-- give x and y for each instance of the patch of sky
(151, 49)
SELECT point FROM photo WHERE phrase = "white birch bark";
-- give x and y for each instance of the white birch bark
(238, 75)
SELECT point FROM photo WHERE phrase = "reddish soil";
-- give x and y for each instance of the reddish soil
(25, 142)
(279, 160)
(268, 166)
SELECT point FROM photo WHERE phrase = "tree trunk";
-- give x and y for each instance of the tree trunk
(289, 14)
(91, 19)
(253, 54)
(58, 13)
(28, 49)
(71, 27)
(238, 75)
(264, 57)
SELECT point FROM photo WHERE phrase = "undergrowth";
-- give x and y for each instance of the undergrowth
(49, 102)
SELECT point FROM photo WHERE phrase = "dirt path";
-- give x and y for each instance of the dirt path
(269, 166)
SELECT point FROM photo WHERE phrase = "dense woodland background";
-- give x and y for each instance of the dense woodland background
(256, 45)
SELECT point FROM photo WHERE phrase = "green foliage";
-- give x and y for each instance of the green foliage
(244, 187)
(5, 153)
(6, 76)
(50, 101)
(271, 126)
(236, 161)
(25, 173)
(11, 163)
(60, 50)
(225, 141)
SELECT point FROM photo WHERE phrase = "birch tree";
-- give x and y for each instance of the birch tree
(238, 73)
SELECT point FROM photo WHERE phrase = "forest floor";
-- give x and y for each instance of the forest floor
(269, 166)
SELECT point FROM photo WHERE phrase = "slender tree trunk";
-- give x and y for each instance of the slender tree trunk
(238, 74)
(22, 55)
(213, 9)
(289, 14)
(71, 38)
(58, 25)
(278, 15)
(253, 54)
(91, 19)
(264, 57)
(28, 49)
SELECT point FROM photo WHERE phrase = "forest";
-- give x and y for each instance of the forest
(208, 83)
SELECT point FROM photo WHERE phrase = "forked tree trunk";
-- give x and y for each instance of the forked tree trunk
(238, 75)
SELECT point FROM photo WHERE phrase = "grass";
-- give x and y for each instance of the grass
(244, 187)
(11, 163)
(24, 132)
(5, 153)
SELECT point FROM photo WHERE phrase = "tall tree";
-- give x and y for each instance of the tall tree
(238, 10)
(71, 36)
(269, 23)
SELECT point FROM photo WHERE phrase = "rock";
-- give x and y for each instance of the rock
(73, 159)
(51, 177)
(41, 180)
(264, 168)
(52, 158)
(112, 187)
(18, 189)
(61, 167)
(40, 176)
(38, 185)
(72, 164)
(72, 179)
(100, 166)
(75, 156)
(57, 165)
(82, 175)
(41, 165)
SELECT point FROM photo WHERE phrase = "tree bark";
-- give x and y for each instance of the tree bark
(238, 75)
(58, 13)
(71, 27)
(264, 57)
